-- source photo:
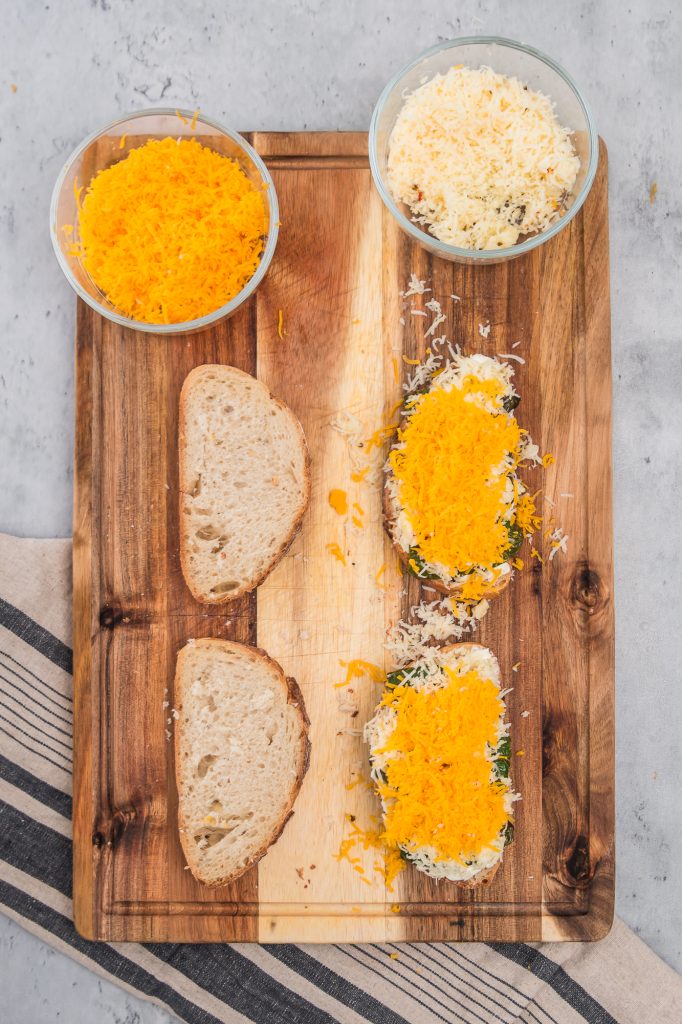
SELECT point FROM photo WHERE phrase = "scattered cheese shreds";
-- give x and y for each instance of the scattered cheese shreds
(280, 325)
(415, 287)
(438, 792)
(336, 551)
(338, 500)
(172, 231)
(358, 669)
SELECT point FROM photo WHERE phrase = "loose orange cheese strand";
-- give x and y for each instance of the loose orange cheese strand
(338, 500)
(357, 668)
(172, 232)
(336, 551)
(379, 436)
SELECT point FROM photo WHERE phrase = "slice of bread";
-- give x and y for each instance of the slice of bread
(241, 752)
(377, 733)
(244, 482)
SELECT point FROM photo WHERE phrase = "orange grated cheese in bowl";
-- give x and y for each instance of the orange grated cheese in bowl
(171, 232)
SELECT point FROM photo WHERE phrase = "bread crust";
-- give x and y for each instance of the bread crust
(486, 876)
(294, 697)
(184, 488)
(442, 588)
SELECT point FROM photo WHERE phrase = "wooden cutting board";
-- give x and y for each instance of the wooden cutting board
(337, 274)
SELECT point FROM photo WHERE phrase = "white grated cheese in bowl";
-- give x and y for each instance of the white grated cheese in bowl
(480, 159)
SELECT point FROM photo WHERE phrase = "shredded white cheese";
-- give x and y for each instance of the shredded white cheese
(480, 159)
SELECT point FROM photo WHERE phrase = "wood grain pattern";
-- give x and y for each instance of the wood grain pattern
(337, 274)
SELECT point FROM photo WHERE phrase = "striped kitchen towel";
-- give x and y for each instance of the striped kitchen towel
(617, 980)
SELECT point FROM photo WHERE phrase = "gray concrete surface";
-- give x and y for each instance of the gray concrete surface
(316, 64)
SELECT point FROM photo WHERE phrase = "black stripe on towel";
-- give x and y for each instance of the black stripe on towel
(449, 978)
(44, 854)
(34, 848)
(38, 753)
(557, 979)
(36, 636)
(110, 960)
(64, 697)
(34, 739)
(334, 985)
(30, 709)
(35, 787)
(395, 969)
(18, 682)
(231, 977)
(445, 949)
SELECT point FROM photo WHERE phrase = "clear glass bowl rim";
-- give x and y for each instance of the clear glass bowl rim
(223, 311)
(482, 255)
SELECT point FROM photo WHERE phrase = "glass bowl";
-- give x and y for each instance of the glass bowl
(113, 143)
(508, 58)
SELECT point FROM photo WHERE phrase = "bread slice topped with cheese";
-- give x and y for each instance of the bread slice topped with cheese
(439, 755)
(244, 482)
(241, 752)
(454, 504)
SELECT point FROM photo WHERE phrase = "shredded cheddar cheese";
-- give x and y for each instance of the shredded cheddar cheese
(357, 669)
(172, 231)
(388, 867)
(438, 790)
(452, 465)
